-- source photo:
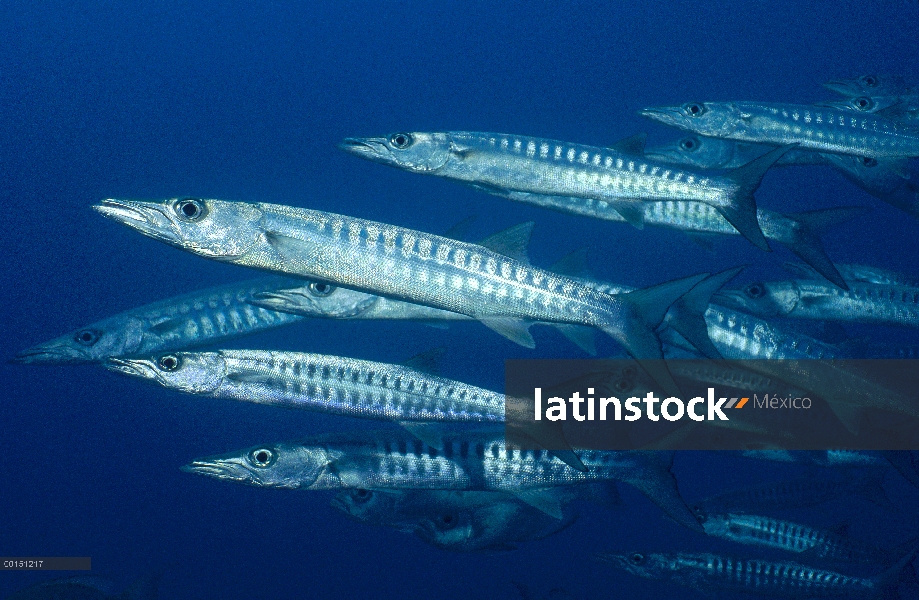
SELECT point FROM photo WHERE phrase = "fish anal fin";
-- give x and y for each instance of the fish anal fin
(516, 330)
(581, 335)
(429, 433)
(632, 211)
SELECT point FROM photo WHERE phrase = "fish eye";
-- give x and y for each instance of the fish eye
(446, 522)
(321, 289)
(637, 559)
(401, 140)
(362, 495)
(262, 457)
(623, 385)
(169, 362)
(694, 110)
(862, 103)
(755, 290)
(190, 209)
(87, 337)
(869, 162)
(689, 144)
(870, 80)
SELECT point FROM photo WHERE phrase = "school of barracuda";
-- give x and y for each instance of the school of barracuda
(443, 472)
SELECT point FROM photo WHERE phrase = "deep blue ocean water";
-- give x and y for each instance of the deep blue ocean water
(246, 101)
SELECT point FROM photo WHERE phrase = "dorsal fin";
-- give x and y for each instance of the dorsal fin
(427, 362)
(460, 230)
(511, 242)
(572, 265)
(631, 145)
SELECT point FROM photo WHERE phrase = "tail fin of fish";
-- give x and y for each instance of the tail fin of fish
(807, 245)
(645, 311)
(741, 213)
(657, 482)
(687, 316)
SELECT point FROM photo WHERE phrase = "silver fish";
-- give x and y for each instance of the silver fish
(859, 273)
(604, 181)
(477, 460)
(799, 232)
(456, 521)
(755, 530)
(775, 579)
(502, 292)
(871, 85)
(810, 127)
(808, 299)
(204, 317)
(330, 384)
(715, 153)
(897, 108)
(886, 180)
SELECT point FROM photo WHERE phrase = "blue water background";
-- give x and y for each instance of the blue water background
(246, 101)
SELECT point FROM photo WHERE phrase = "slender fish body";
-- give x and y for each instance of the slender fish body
(860, 273)
(504, 293)
(606, 181)
(822, 129)
(755, 530)
(317, 382)
(474, 460)
(456, 521)
(774, 579)
(205, 317)
(714, 153)
(808, 299)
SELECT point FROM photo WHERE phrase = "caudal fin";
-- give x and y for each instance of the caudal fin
(687, 316)
(741, 213)
(806, 242)
(645, 310)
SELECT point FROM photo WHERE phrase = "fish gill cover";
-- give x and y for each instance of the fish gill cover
(150, 361)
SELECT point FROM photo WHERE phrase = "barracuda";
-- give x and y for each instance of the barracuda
(504, 293)
(330, 384)
(457, 521)
(477, 460)
(799, 232)
(887, 180)
(757, 530)
(613, 181)
(872, 85)
(810, 127)
(775, 579)
(204, 317)
(859, 273)
(808, 299)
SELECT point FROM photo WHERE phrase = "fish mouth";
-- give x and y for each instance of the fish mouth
(218, 469)
(282, 300)
(837, 104)
(658, 156)
(729, 299)
(134, 368)
(340, 504)
(47, 355)
(620, 560)
(370, 148)
(662, 114)
(845, 88)
(149, 218)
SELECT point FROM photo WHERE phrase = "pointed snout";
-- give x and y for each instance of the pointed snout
(371, 148)
(148, 218)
